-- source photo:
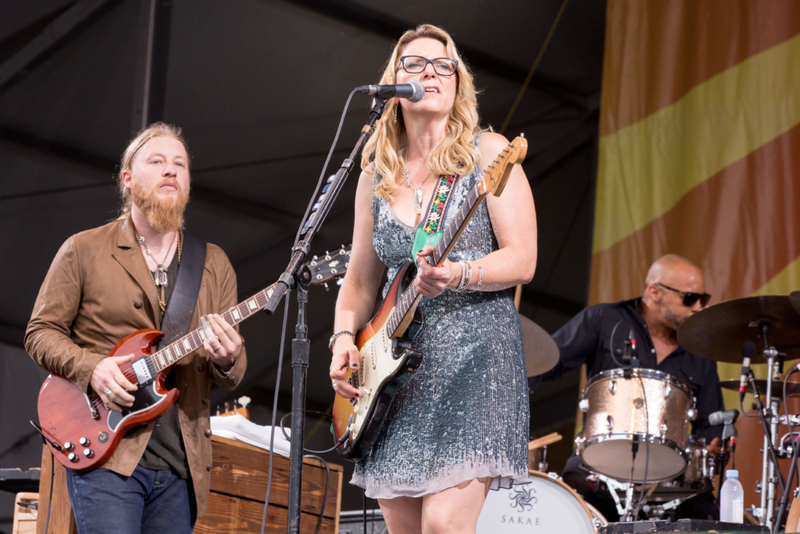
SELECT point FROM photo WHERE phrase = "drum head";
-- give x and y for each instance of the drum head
(611, 456)
(544, 505)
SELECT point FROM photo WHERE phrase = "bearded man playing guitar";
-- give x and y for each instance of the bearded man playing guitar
(109, 282)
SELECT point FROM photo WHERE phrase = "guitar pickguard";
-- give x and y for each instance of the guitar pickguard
(144, 399)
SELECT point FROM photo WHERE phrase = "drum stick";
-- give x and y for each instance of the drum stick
(544, 441)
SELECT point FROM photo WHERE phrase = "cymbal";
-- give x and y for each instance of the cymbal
(717, 332)
(792, 388)
(541, 352)
(794, 298)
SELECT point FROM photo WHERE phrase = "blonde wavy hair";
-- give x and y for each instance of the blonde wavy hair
(456, 153)
(157, 129)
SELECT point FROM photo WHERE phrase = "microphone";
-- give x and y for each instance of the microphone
(748, 351)
(413, 91)
(728, 417)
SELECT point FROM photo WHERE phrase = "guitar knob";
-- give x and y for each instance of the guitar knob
(68, 446)
(88, 453)
(84, 442)
(72, 457)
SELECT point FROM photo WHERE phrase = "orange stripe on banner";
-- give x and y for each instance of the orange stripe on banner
(656, 52)
(742, 226)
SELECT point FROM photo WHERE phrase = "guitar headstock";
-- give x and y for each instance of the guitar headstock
(330, 266)
(496, 174)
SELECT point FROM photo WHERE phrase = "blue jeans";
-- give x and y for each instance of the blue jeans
(147, 502)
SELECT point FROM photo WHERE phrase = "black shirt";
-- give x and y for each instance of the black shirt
(586, 339)
(166, 450)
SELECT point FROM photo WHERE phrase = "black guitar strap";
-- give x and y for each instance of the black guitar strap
(181, 304)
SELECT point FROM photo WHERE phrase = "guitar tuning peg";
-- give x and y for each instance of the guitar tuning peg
(522, 134)
(325, 285)
(339, 281)
(315, 257)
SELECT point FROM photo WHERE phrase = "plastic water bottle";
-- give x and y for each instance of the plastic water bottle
(731, 498)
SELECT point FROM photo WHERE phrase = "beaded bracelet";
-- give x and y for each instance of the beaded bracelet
(337, 334)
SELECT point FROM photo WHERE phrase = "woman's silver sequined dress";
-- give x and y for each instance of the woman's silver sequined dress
(465, 414)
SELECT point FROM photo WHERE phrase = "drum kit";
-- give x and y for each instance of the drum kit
(636, 425)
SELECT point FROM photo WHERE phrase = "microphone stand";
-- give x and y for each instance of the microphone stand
(297, 275)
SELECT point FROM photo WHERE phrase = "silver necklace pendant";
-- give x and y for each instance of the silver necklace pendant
(161, 276)
(417, 201)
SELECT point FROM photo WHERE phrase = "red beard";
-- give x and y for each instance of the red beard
(163, 214)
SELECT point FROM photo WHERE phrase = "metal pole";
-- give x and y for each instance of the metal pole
(300, 356)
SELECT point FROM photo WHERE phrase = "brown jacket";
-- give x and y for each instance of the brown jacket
(97, 291)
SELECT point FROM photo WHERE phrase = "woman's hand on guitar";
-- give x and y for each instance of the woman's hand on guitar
(345, 354)
(222, 343)
(431, 281)
(110, 384)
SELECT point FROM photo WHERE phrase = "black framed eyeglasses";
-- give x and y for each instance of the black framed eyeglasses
(689, 298)
(443, 66)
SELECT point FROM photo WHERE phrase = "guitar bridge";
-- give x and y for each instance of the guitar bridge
(92, 409)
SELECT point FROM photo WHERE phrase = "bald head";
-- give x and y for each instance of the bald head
(670, 266)
(668, 279)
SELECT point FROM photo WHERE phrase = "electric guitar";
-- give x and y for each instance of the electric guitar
(83, 433)
(386, 359)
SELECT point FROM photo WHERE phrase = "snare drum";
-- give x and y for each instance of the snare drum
(544, 505)
(621, 413)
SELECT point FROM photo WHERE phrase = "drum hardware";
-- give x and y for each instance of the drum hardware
(615, 488)
(774, 322)
(537, 451)
(787, 444)
(769, 422)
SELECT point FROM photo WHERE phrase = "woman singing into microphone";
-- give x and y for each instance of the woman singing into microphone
(460, 426)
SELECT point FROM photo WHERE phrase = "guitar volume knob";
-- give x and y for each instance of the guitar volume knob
(72, 457)
(88, 453)
(68, 446)
(84, 442)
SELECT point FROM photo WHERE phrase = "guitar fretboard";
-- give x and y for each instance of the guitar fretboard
(194, 340)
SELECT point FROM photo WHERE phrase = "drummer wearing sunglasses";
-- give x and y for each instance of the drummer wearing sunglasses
(674, 290)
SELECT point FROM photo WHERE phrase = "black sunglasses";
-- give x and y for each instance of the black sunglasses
(689, 298)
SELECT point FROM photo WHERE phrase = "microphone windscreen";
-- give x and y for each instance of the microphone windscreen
(748, 349)
(419, 91)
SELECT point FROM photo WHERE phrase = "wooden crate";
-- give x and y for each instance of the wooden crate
(24, 517)
(238, 488)
(239, 476)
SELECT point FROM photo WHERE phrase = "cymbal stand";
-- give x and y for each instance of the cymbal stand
(769, 462)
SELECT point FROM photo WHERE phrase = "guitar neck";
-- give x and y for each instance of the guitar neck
(450, 235)
(187, 344)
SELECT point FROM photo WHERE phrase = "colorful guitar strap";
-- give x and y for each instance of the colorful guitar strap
(429, 230)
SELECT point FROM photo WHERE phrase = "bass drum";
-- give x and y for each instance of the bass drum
(544, 505)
